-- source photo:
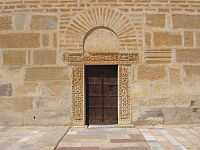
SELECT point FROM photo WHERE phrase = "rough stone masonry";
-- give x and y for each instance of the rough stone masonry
(36, 83)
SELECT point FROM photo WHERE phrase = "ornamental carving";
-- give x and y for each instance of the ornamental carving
(101, 58)
(124, 101)
(77, 95)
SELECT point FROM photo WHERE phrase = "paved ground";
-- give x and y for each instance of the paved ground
(141, 138)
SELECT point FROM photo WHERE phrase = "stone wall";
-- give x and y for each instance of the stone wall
(36, 83)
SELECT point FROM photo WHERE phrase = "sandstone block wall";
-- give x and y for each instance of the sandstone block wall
(36, 84)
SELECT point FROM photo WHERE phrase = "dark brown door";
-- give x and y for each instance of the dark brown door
(101, 95)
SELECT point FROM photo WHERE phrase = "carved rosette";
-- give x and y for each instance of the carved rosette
(124, 101)
(78, 95)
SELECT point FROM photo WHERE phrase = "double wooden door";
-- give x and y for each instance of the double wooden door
(101, 95)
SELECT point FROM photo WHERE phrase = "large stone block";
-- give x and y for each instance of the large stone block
(186, 21)
(175, 76)
(46, 73)
(16, 104)
(27, 89)
(43, 22)
(20, 40)
(188, 39)
(148, 72)
(20, 21)
(192, 72)
(5, 22)
(12, 57)
(167, 39)
(5, 89)
(155, 20)
(42, 57)
(197, 39)
(188, 56)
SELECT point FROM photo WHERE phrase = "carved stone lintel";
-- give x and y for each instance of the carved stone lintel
(101, 58)
(124, 101)
(77, 95)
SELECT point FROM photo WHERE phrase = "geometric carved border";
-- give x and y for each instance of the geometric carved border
(78, 104)
(124, 100)
(78, 95)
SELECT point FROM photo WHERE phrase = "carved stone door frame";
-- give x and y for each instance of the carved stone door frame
(78, 63)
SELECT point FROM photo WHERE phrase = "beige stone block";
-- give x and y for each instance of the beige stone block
(20, 40)
(43, 22)
(12, 57)
(174, 76)
(5, 22)
(148, 72)
(155, 20)
(188, 56)
(16, 104)
(192, 71)
(148, 38)
(46, 73)
(44, 57)
(20, 21)
(198, 39)
(59, 88)
(27, 89)
(167, 39)
(45, 40)
(188, 39)
(186, 21)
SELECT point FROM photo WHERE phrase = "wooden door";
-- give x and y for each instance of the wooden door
(101, 95)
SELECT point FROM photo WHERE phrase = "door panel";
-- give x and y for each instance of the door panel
(101, 95)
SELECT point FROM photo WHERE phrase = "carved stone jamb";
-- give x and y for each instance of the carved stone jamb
(124, 103)
(78, 109)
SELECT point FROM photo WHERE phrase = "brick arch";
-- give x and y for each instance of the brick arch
(94, 18)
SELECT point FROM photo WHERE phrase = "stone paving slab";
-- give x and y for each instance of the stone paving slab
(140, 138)
(30, 138)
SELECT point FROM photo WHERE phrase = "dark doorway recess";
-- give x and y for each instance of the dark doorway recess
(101, 94)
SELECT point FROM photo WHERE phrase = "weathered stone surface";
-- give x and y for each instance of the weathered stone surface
(45, 40)
(42, 22)
(188, 56)
(20, 40)
(5, 89)
(197, 39)
(46, 73)
(186, 21)
(93, 42)
(148, 39)
(155, 20)
(27, 89)
(16, 104)
(12, 57)
(192, 72)
(167, 39)
(177, 115)
(5, 22)
(20, 21)
(174, 76)
(148, 72)
(188, 39)
(44, 57)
